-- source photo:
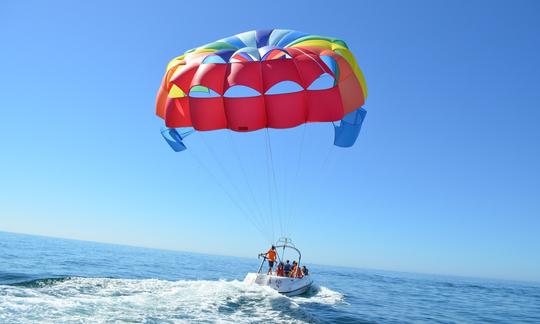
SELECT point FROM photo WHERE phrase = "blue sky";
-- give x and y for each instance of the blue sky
(443, 179)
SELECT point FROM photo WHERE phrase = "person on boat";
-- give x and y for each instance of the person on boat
(297, 271)
(305, 271)
(271, 257)
(287, 268)
(294, 270)
(280, 271)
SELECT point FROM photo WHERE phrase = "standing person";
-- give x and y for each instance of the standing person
(271, 257)
(287, 268)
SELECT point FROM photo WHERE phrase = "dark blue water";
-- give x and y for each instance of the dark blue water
(54, 280)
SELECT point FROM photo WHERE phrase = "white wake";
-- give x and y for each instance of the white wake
(152, 300)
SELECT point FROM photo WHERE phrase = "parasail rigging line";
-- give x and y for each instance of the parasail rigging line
(269, 182)
(260, 213)
(248, 208)
(227, 193)
(295, 178)
(318, 184)
(226, 173)
(278, 210)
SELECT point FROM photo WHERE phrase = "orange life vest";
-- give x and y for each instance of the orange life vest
(292, 274)
(271, 255)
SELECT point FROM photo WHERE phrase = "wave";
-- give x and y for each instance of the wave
(71, 299)
(39, 283)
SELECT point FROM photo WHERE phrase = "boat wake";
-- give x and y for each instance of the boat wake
(320, 295)
(72, 299)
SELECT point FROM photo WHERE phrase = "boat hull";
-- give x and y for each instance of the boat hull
(283, 285)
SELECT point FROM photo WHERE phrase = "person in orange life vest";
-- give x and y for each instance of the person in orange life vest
(299, 273)
(292, 273)
(280, 272)
(271, 256)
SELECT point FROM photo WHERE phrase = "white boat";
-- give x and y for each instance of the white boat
(284, 285)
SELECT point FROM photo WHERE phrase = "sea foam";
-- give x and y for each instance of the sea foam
(151, 300)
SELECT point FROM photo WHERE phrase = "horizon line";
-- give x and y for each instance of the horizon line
(521, 281)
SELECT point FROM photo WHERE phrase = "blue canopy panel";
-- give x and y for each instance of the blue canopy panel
(349, 128)
(175, 139)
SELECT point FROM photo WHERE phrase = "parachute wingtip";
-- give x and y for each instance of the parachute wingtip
(174, 139)
(349, 129)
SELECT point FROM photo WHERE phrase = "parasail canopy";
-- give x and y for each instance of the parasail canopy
(273, 78)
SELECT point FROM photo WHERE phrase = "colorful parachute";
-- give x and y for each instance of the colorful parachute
(263, 79)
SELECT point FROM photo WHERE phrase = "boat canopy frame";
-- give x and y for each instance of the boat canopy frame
(283, 243)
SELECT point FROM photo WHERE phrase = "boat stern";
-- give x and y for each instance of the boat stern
(283, 285)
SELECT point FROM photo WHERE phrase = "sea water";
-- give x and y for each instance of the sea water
(49, 280)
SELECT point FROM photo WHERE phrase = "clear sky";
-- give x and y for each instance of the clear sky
(443, 179)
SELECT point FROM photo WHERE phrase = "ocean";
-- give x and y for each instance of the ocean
(51, 280)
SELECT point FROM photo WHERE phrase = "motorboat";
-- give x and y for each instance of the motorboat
(289, 286)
